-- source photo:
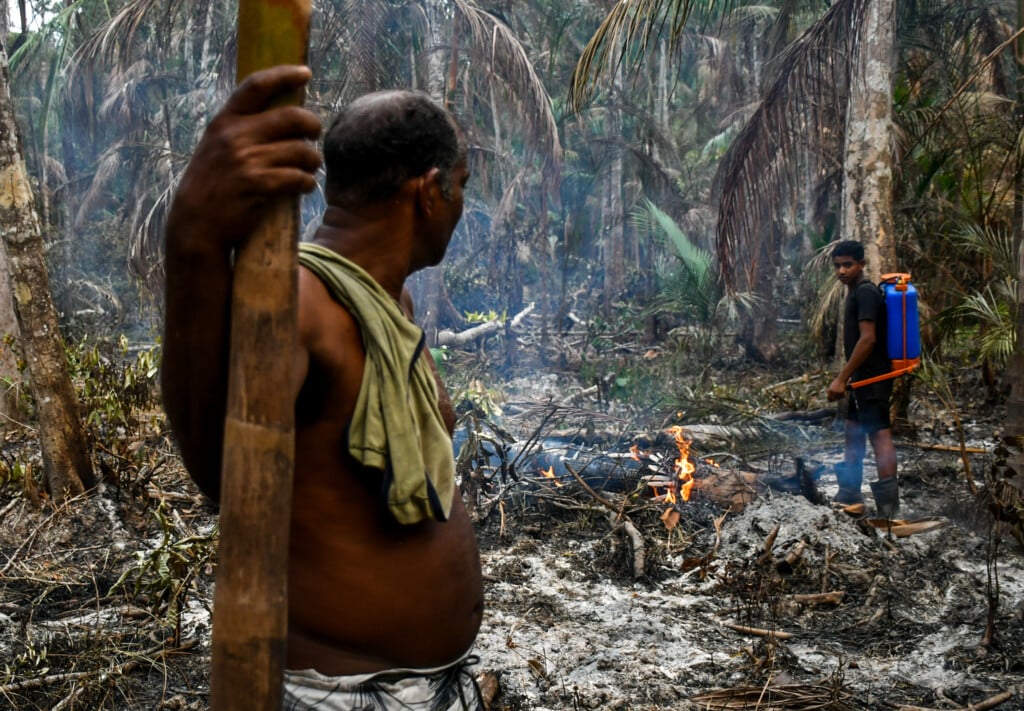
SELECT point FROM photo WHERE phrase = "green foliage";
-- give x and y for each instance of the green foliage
(29, 663)
(484, 399)
(983, 311)
(492, 315)
(690, 286)
(164, 576)
(993, 311)
(114, 385)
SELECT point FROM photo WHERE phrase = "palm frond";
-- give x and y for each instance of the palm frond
(99, 191)
(510, 64)
(993, 310)
(796, 131)
(630, 30)
(698, 262)
(994, 245)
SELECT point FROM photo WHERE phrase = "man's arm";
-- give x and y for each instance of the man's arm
(861, 351)
(249, 154)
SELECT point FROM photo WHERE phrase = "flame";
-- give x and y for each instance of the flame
(669, 497)
(684, 467)
(550, 474)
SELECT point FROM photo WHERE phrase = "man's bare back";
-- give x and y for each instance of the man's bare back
(365, 592)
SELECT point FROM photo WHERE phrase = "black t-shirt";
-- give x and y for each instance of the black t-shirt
(866, 303)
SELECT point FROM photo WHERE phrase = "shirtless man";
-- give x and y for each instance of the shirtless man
(381, 613)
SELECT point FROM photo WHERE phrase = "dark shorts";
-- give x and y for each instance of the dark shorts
(869, 406)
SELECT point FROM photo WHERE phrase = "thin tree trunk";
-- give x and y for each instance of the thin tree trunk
(12, 408)
(428, 281)
(613, 222)
(867, 187)
(66, 461)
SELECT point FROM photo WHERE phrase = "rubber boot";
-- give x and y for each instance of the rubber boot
(887, 497)
(850, 480)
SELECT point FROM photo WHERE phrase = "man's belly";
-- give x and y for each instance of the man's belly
(366, 595)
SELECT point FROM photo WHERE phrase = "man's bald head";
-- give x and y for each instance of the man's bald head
(381, 140)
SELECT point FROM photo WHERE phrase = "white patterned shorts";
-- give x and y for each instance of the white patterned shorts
(450, 688)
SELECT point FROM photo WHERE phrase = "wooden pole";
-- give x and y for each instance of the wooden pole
(250, 619)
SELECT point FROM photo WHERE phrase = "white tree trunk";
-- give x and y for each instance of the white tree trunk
(867, 185)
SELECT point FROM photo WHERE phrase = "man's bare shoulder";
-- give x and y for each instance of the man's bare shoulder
(330, 343)
(322, 320)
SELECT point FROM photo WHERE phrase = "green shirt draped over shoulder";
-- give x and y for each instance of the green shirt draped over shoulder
(397, 426)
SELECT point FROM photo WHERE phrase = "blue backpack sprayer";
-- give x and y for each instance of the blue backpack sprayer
(903, 336)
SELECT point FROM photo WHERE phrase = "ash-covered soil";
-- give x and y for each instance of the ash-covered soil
(593, 601)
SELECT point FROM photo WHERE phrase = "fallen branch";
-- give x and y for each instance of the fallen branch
(769, 543)
(788, 564)
(636, 542)
(759, 632)
(161, 495)
(587, 488)
(781, 696)
(518, 318)
(152, 654)
(448, 337)
(828, 598)
(989, 703)
(946, 447)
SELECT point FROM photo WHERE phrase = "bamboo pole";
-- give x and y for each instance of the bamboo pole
(250, 622)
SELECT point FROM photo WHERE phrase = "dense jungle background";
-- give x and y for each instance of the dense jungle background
(655, 186)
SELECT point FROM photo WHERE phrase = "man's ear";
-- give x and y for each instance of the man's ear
(428, 190)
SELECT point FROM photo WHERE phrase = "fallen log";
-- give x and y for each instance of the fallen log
(447, 337)
(730, 489)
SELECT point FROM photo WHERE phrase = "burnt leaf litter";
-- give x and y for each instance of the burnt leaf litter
(601, 592)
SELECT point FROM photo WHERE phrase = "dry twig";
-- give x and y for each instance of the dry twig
(759, 632)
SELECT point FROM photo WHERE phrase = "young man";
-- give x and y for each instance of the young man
(864, 343)
(384, 585)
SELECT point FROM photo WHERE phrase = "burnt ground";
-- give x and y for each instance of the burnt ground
(592, 601)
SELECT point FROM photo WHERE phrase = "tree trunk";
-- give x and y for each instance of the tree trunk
(12, 408)
(614, 235)
(612, 215)
(867, 187)
(66, 461)
(426, 286)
